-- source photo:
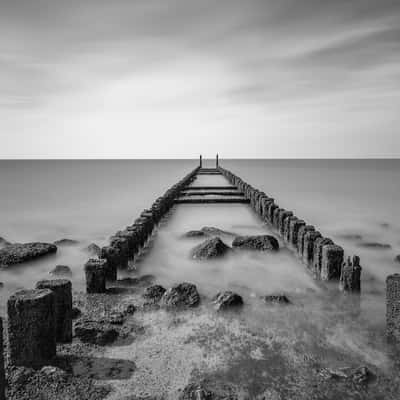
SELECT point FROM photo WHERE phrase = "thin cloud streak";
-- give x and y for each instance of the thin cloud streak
(132, 77)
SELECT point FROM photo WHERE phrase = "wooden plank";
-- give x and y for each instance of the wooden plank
(209, 193)
(210, 188)
(211, 201)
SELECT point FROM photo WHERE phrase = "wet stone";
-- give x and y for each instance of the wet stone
(154, 293)
(211, 248)
(227, 300)
(182, 295)
(61, 270)
(257, 242)
(95, 332)
(66, 242)
(21, 252)
(62, 290)
(76, 313)
(276, 299)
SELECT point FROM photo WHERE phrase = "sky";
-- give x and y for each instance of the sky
(176, 78)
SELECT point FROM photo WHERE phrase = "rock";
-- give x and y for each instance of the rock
(350, 236)
(20, 252)
(358, 375)
(1, 285)
(259, 242)
(95, 332)
(182, 295)
(361, 375)
(212, 231)
(93, 249)
(194, 234)
(227, 299)
(397, 258)
(211, 248)
(141, 280)
(208, 390)
(115, 318)
(66, 242)
(54, 373)
(375, 245)
(61, 270)
(154, 293)
(17, 376)
(130, 309)
(276, 298)
(76, 312)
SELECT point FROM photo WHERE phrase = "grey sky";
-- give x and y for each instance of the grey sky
(173, 78)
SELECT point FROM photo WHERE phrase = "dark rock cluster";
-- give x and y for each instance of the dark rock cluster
(259, 242)
(211, 248)
(181, 296)
(17, 253)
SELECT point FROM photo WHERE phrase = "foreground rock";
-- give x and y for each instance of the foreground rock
(95, 332)
(227, 300)
(205, 390)
(259, 242)
(61, 270)
(276, 299)
(66, 242)
(21, 252)
(211, 248)
(50, 383)
(154, 293)
(93, 249)
(357, 375)
(181, 296)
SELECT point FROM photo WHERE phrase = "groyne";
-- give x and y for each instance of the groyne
(322, 257)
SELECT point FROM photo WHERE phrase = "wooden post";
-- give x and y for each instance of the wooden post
(201, 161)
(216, 161)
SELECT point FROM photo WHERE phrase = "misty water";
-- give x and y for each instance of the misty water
(354, 202)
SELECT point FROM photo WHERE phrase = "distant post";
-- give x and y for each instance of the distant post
(216, 161)
(201, 161)
(2, 374)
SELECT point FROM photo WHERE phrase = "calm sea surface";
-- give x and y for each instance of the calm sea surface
(353, 201)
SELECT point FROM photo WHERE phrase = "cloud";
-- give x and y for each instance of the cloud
(202, 60)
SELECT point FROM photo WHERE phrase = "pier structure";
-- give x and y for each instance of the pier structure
(322, 257)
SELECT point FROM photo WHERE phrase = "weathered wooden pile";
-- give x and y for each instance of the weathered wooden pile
(125, 245)
(323, 258)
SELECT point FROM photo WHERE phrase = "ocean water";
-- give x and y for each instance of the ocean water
(352, 201)
(89, 200)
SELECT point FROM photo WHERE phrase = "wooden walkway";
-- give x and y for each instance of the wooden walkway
(211, 194)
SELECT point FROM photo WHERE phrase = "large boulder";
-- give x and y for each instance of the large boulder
(154, 293)
(211, 248)
(226, 300)
(61, 270)
(21, 252)
(258, 242)
(95, 332)
(182, 295)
